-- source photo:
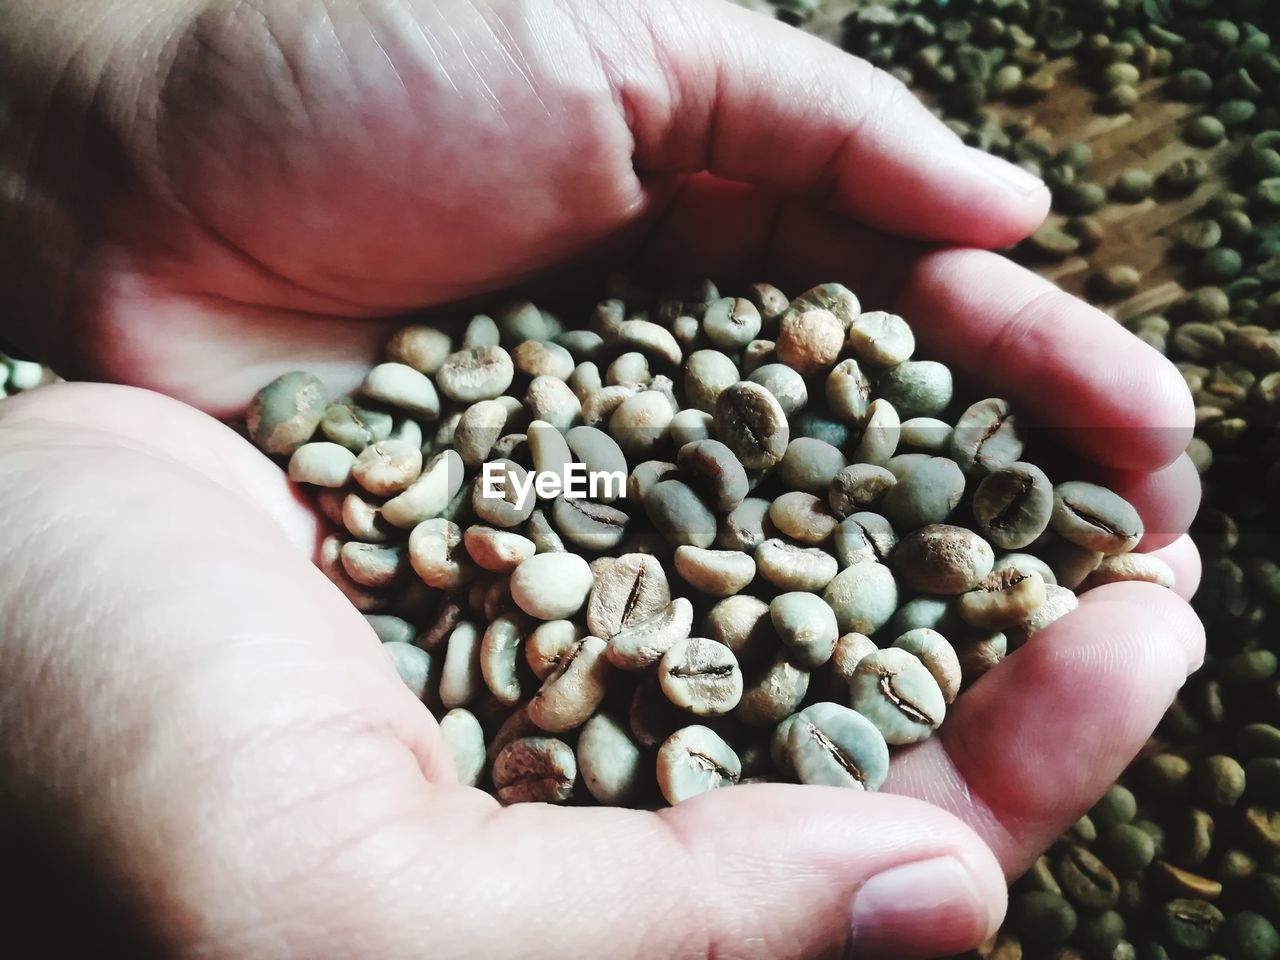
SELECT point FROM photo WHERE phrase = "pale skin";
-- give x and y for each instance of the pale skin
(203, 752)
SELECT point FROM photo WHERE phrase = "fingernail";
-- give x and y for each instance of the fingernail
(927, 908)
(1023, 181)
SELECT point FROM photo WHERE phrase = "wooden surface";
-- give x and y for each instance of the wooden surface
(1149, 138)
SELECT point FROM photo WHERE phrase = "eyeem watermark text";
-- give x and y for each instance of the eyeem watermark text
(576, 483)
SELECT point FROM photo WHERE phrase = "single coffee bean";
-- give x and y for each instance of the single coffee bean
(802, 517)
(752, 424)
(437, 556)
(642, 479)
(917, 388)
(979, 655)
(1025, 563)
(548, 643)
(1058, 602)
(830, 745)
(731, 323)
(859, 487)
(987, 436)
(642, 643)
(807, 627)
(464, 737)
(695, 760)
(707, 374)
(354, 426)
(322, 464)
(925, 435)
(863, 596)
(810, 465)
(701, 676)
(1041, 917)
(1093, 517)
(285, 413)
(633, 589)
(498, 551)
(864, 536)
(746, 526)
(1012, 505)
(1191, 924)
(742, 623)
(1002, 599)
(900, 464)
(717, 573)
(942, 559)
(416, 667)
(845, 657)
(895, 691)
(600, 405)
(773, 693)
(550, 454)
(422, 347)
(499, 653)
(1085, 879)
(614, 769)
(786, 385)
(835, 297)
(514, 499)
(927, 494)
(711, 468)
(403, 387)
(373, 564)
(599, 453)
(810, 340)
(652, 340)
(535, 358)
(848, 392)
(1126, 849)
(478, 429)
(640, 423)
(1071, 564)
(429, 495)
(571, 693)
(391, 629)
(880, 339)
(791, 567)
(880, 436)
(461, 679)
(521, 320)
(480, 373)
(535, 770)
(690, 426)
(757, 353)
(679, 515)
(587, 524)
(388, 467)
(1142, 567)
(551, 586)
(938, 656)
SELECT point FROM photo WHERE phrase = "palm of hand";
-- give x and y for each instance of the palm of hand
(271, 215)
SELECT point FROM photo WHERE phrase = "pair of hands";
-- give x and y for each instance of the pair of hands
(203, 753)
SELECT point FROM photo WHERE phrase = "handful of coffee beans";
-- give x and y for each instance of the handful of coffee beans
(699, 541)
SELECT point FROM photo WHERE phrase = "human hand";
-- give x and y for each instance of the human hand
(208, 191)
(258, 784)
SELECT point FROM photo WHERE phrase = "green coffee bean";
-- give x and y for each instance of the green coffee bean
(286, 412)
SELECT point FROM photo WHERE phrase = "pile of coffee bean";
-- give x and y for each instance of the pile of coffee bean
(811, 546)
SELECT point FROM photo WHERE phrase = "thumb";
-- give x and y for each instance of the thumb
(750, 99)
(768, 871)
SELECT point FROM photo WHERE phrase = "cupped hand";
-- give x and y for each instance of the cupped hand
(203, 738)
(208, 189)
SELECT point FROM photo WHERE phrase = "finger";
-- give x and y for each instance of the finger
(867, 876)
(754, 100)
(1167, 499)
(1036, 741)
(1184, 560)
(1112, 397)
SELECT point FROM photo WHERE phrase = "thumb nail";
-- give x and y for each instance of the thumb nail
(1009, 174)
(923, 909)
